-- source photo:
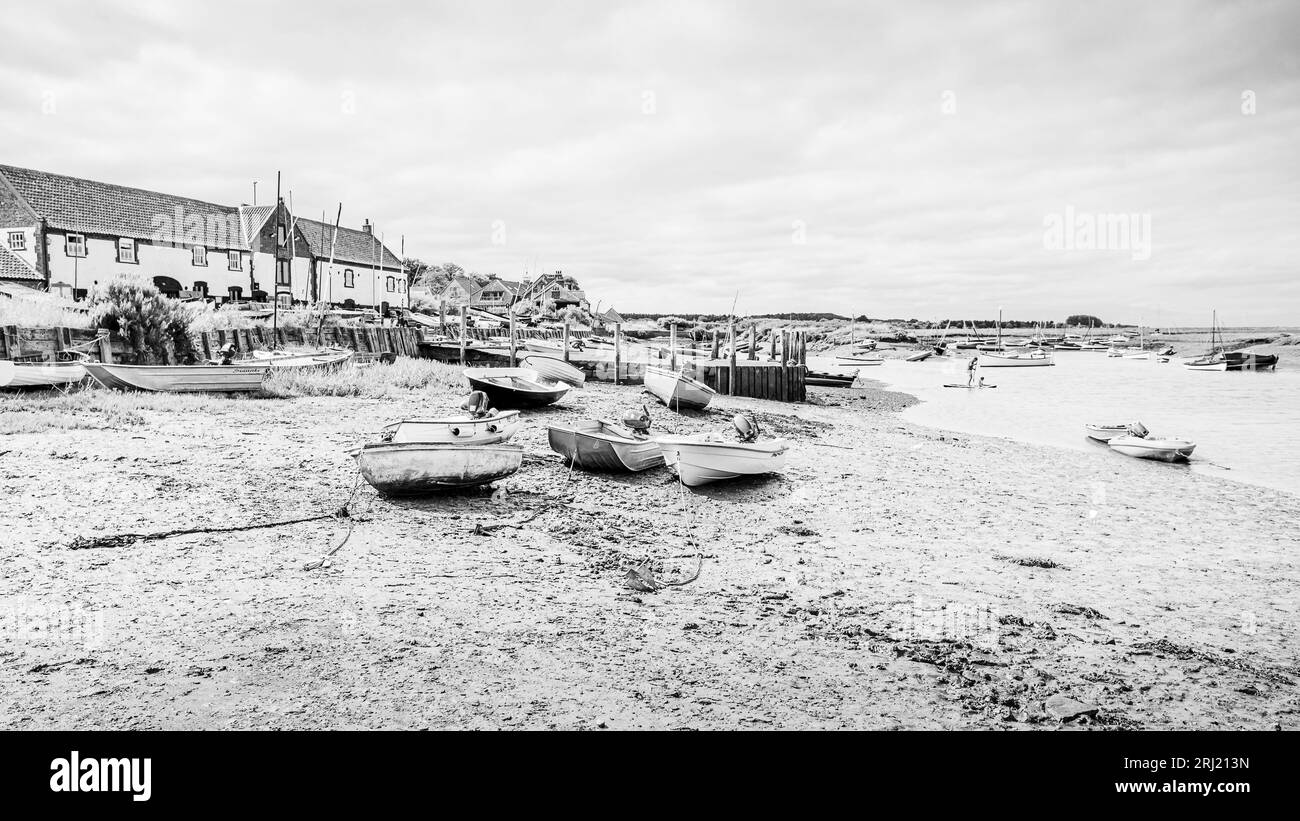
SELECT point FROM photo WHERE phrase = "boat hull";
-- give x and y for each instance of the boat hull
(597, 446)
(462, 431)
(677, 391)
(1238, 361)
(556, 369)
(919, 357)
(319, 359)
(515, 387)
(39, 375)
(1105, 433)
(1161, 450)
(1015, 361)
(830, 380)
(180, 378)
(699, 462)
(417, 468)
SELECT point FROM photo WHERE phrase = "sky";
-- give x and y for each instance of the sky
(907, 159)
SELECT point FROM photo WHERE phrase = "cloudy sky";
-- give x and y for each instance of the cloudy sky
(899, 160)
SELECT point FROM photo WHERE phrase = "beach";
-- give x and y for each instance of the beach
(894, 576)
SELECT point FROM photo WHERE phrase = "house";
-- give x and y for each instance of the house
(57, 228)
(459, 291)
(552, 292)
(496, 295)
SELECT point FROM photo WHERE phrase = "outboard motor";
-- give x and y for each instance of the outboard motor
(746, 427)
(638, 423)
(477, 405)
(1138, 429)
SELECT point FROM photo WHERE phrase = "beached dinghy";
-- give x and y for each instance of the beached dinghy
(860, 360)
(1105, 433)
(919, 356)
(557, 369)
(600, 445)
(412, 468)
(39, 374)
(515, 387)
(699, 460)
(279, 360)
(465, 430)
(677, 390)
(180, 378)
(830, 380)
(1139, 443)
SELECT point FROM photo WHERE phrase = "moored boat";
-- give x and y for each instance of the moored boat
(1016, 360)
(830, 380)
(279, 360)
(1160, 448)
(515, 387)
(700, 460)
(412, 468)
(1106, 432)
(180, 378)
(1249, 360)
(40, 374)
(599, 445)
(466, 430)
(557, 369)
(677, 390)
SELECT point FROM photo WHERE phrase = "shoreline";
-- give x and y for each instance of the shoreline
(921, 579)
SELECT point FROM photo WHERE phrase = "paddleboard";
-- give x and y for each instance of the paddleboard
(970, 387)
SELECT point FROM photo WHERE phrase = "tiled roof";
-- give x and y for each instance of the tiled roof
(74, 204)
(251, 220)
(14, 267)
(357, 247)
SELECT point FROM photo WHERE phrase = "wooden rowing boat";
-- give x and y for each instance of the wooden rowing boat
(1105, 432)
(488, 430)
(1160, 448)
(557, 369)
(180, 378)
(677, 390)
(598, 445)
(700, 460)
(413, 468)
(39, 374)
(515, 387)
(279, 360)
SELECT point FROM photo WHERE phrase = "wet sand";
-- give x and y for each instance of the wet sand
(894, 576)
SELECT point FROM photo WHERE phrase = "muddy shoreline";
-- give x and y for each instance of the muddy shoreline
(894, 576)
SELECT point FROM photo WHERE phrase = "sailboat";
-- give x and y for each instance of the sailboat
(1213, 359)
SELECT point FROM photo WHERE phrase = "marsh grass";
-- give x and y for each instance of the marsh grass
(376, 381)
(40, 311)
(91, 407)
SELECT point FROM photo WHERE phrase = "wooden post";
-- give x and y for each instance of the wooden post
(714, 354)
(803, 349)
(566, 341)
(512, 339)
(618, 349)
(464, 328)
(442, 316)
(731, 369)
(773, 355)
(672, 346)
(105, 347)
(753, 343)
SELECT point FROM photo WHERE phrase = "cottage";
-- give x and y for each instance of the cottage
(552, 292)
(59, 229)
(496, 295)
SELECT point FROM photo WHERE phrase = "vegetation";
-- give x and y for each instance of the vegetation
(375, 382)
(1084, 319)
(40, 310)
(156, 329)
(207, 317)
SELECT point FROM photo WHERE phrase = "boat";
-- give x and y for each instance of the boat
(1249, 361)
(515, 387)
(970, 387)
(600, 445)
(1093, 346)
(464, 430)
(180, 378)
(858, 360)
(1067, 345)
(919, 356)
(279, 360)
(1214, 359)
(39, 374)
(412, 468)
(557, 369)
(830, 380)
(699, 460)
(1016, 360)
(677, 390)
(552, 346)
(1104, 432)
(1160, 448)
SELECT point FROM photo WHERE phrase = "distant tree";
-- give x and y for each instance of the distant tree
(415, 269)
(1085, 320)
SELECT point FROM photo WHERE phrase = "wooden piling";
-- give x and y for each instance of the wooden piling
(672, 346)
(731, 370)
(464, 326)
(566, 341)
(714, 354)
(618, 349)
(513, 349)
(753, 343)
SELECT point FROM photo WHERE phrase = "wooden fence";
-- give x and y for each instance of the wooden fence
(780, 383)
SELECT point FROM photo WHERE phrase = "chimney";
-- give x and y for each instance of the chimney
(366, 227)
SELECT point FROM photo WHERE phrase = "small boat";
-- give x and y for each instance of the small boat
(411, 468)
(1067, 346)
(676, 390)
(858, 360)
(970, 387)
(1093, 346)
(552, 346)
(1016, 360)
(515, 387)
(1161, 448)
(599, 445)
(1104, 433)
(180, 378)
(39, 374)
(830, 380)
(1249, 361)
(699, 460)
(1212, 362)
(1147, 355)
(465, 430)
(919, 356)
(557, 369)
(279, 360)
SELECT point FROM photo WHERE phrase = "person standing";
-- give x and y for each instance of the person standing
(970, 370)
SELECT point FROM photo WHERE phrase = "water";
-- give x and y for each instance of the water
(1246, 421)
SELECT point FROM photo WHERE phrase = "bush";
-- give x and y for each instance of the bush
(40, 310)
(156, 329)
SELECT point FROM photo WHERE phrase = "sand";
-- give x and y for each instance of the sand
(893, 576)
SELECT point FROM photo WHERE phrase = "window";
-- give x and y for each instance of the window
(281, 237)
(75, 245)
(349, 278)
(201, 287)
(401, 286)
(126, 251)
(234, 261)
(199, 256)
(17, 241)
(282, 274)
(390, 285)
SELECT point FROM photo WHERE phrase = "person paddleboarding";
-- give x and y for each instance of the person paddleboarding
(970, 370)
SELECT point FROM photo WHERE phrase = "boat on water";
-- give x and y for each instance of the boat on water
(1033, 359)
(515, 387)
(600, 445)
(1160, 448)
(1067, 345)
(1105, 432)
(40, 374)
(676, 389)
(281, 360)
(830, 380)
(1093, 346)
(180, 378)
(707, 458)
(414, 468)
(462, 430)
(1249, 360)
(557, 369)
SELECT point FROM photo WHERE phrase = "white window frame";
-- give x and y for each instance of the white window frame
(17, 241)
(349, 278)
(390, 285)
(234, 261)
(78, 240)
(199, 256)
(127, 247)
(401, 286)
(283, 266)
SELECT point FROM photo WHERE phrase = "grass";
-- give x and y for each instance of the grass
(376, 381)
(95, 408)
(40, 311)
